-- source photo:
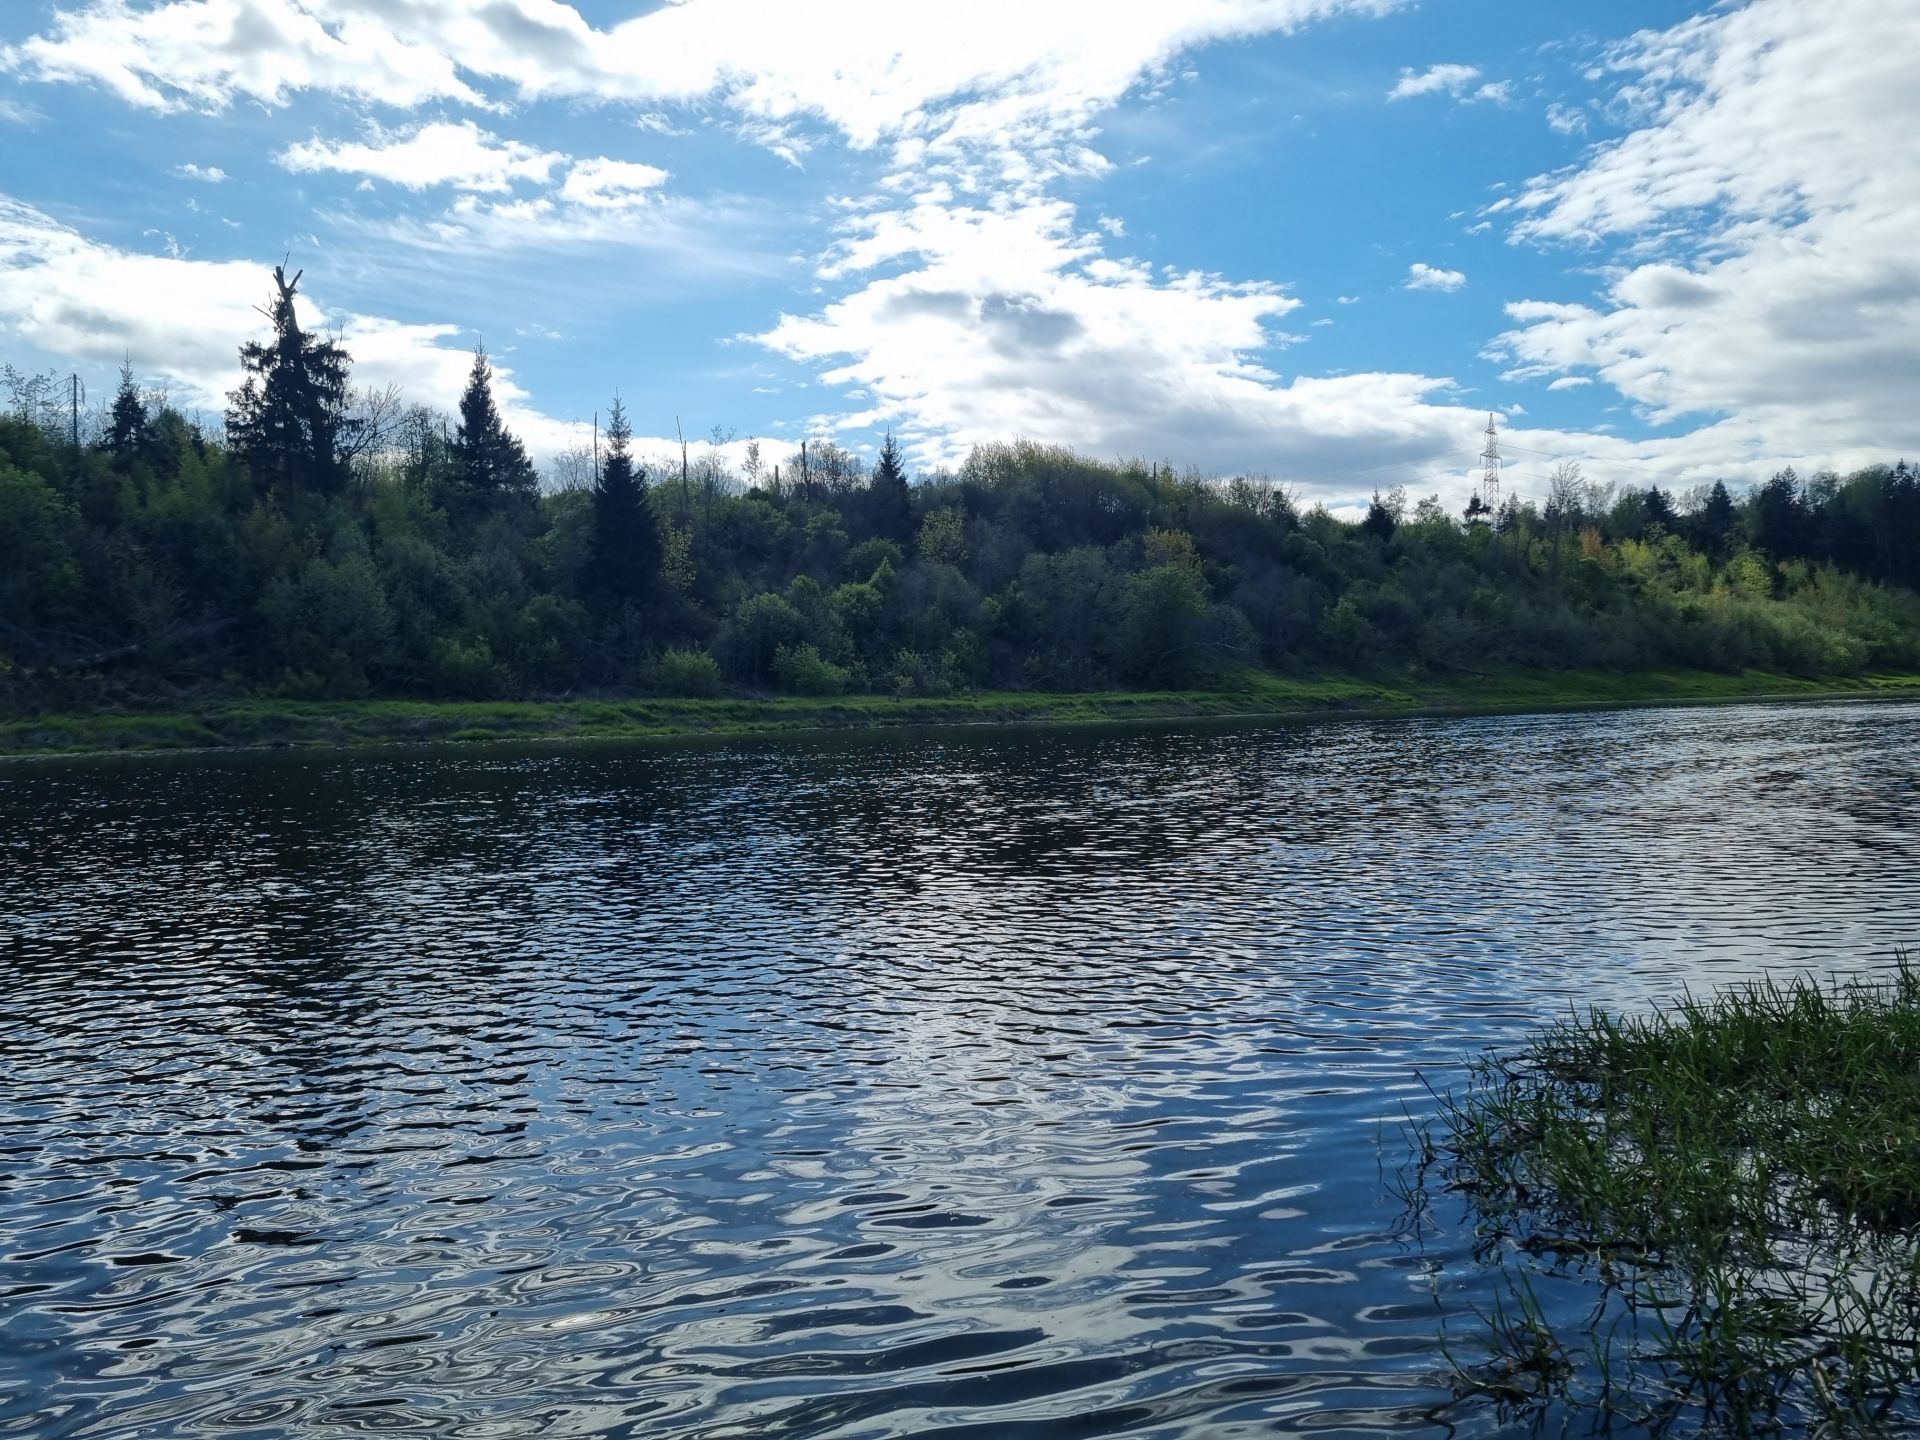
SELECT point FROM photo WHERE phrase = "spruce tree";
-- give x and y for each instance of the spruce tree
(126, 422)
(1715, 521)
(625, 558)
(892, 504)
(1380, 522)
(1779, 517)
(491, 471)
(1659, 508)
(288, 420)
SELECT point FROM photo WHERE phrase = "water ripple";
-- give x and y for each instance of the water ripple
(988, 1084)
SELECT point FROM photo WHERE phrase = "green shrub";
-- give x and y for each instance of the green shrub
(463, 669)
(869, 555)
(684, 672)
(761, 627)
(802, 669)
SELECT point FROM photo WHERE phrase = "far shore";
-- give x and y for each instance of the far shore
(277, 723)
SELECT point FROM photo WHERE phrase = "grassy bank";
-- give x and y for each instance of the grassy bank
(1706, 1218)
(288, 722)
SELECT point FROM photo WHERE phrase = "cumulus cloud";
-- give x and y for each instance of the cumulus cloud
(1421, 276)
(205, 54)
(70, 297)
(1452, 79)
(184, 319)
(458, 154)
(975, 323)
(1782, 297)
(956, 75)
(963, 299)
(206, 174)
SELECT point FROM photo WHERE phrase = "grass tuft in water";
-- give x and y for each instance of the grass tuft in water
(1707, 1218)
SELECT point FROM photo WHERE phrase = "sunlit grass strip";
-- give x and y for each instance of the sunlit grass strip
(1739, 1178)
(221, 723)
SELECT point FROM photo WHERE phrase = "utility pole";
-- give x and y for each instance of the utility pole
(74, 382)
(686, 494)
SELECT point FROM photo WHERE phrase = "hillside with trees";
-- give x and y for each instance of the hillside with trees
(332, 543)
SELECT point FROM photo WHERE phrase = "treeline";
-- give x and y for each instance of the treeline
(332, 543)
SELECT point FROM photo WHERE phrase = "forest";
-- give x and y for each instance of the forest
(334, 543)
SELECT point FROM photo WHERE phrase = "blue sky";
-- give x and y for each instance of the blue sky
(1311, 239)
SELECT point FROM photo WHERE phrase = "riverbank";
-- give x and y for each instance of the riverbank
(288, 723)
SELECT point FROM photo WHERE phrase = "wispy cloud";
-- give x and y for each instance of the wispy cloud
(1567, 119)
(459, 154)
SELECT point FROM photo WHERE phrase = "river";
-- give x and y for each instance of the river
(991, 1083)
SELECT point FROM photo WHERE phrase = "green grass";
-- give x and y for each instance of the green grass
(1257, 694)
(1735, 1181)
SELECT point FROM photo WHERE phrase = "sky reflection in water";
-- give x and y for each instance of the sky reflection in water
(997, 1084)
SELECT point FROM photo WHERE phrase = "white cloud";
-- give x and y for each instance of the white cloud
(1453, 79)
(971, 324)
(964, 313)
(183, 320)
(1571, 382)
(603, 184)
(1766, 278)
(958, 75)
(459, 154)
(1499, 92)
(16, 112)
(204, 54)
(656, 123)
(206, 174)
(70, 297)
(1421, 276)
(1567, 119)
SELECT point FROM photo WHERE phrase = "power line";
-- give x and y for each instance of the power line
(1592, 459)
(1385, 465)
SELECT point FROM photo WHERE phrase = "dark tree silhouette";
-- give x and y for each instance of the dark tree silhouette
(1780, 517)
(126, 422)
(892, 503)
(1659, 507)
(1714, 523)
(1379, 522)
(288, 420)
(625, 562)
(491, 471)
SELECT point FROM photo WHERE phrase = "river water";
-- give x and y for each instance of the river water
(985, 1084)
